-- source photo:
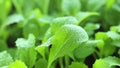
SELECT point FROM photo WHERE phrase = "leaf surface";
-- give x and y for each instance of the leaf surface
(5, 59)
(66, 39)
(26, 50)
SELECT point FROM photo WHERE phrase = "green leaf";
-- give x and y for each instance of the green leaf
(113, 61)
(100, 63)
(44, 5)
(91, 27)
(15, 18)
(81, 16)
(41, 63)
(47, 35)
(17, 64)
(17, 5)
(114, 28)
(101, 36)
(3, 45)
(100, 44)
(107, 42)
(58, 22)
(41, 48)
(113, 35)
(5, 6)
(110, 16)
(30, 42)
(36, 13)
(40, 27)
(12, 51)
(110, 49)
(116, 43)
(107, 62)
(5, 59)
(71, 7)
(85, 49)
(78, 65)
(24, 6)
(44, 23)
(66, 39)
(95, 5)
(26, 50)
(109, 4)
(31, 27)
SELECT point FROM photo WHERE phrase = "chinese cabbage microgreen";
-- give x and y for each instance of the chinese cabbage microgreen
(59, 33)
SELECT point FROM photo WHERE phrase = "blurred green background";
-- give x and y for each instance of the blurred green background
(19, 18)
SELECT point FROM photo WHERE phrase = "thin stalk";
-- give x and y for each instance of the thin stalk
(17, 6)
(46, 6)
(61, 63)
(67, 60)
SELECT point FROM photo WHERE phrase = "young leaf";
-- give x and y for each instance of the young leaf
(113, 61)
(91, 27)
(26, 50)
(17, 64)
(116, 43)
(85, 49)
(109, 4)
(47, 35)
(100, 63)
(5, 6)
(58, 22)
(44, 5)
(66, 39)
(41, 63)
(71, 7)
(41, 48)
(95, 5)
(81, 16)
(78, 65)
(31, 27)
(15, 18)
(107, 62)
(3, 45)
(36, 14)
(115, 28)
(106, 43)
(113, 35)
(5, 59)
(101, 36)
(100, 45)
(17, 5)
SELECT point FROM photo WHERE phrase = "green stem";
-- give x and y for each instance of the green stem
(61, 63)
(17, 6)
(99, 54)
(46, 6)
(48, 65)
(67, 61)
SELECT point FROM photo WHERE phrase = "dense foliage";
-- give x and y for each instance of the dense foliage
(59, 33)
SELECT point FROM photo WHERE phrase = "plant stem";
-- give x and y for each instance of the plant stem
(61, 63)
(67, 61)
